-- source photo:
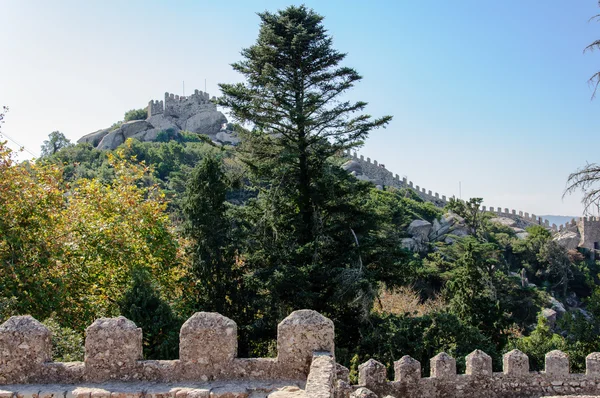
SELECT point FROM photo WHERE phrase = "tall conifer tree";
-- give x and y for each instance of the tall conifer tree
(293, 99)
(314, 243)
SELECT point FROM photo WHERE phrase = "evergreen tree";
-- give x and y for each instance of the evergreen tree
(143, 304)
(313, 240)
(214, 262)
(292, 98)
(473, 297)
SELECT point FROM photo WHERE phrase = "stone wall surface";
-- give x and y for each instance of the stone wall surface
(366, 169)
(208, 351)
(515, 381)
(304, 368)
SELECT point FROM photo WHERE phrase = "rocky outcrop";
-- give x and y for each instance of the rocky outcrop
(207, 122)
(228, 137)
(449, 224)
(121, 134)
(95, 137)
(161, 122)
(568, 239)
(446, 229)
(196, 114)
(419, 230)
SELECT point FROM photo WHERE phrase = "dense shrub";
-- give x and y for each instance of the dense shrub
(136, 114)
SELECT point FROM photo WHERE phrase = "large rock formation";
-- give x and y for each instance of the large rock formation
(196, 114)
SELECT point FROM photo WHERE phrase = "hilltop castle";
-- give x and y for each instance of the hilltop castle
(195, 113)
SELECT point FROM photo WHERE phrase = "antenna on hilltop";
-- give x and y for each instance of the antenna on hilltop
(204, 85)
(184, 88)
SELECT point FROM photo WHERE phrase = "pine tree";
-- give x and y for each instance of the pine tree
(211, 232)
(292, 98)
(143, 304)
(314, 241)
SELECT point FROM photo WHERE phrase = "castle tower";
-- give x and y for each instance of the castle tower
(155, 108)
(589, 229)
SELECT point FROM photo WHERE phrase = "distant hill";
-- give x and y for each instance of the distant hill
(559, 220)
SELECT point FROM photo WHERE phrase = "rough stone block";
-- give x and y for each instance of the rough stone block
(301, 334)
(371, 373)
(6, 393)
(363, 393)
(342, 373)
(557, 363)
(479, 364)
(321, 379)
(113, 347)
(407, 369)
(592, 364)
(515, 363)
(198, 393)
(443, 366)
(208, 338)
(24, 346)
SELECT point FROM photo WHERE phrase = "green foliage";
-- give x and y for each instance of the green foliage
(473, 296)
(471, 211)
(67, 344)
(538, 343)
(143, 304)
(166, 135)
(55, 142)
(388, 337)
(136, 114)
(546, 262)
(315, 243)
(8, 308)
(73, 245)
(212, 233)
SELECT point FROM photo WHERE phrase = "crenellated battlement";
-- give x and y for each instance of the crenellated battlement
(208, 366)
(155, 108)
(181, 107)
(378, 172)
(479, 380)
(589, 229)
(207, 351)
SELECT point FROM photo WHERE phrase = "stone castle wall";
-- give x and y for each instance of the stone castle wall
(377, 171)
(589, 228)
(186, 107)
(479, 380)
(180, 106)
(208, 366)
(207, 351)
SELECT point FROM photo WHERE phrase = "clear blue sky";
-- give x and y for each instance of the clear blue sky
(492, 94)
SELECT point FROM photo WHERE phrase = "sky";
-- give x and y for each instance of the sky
(489, 98)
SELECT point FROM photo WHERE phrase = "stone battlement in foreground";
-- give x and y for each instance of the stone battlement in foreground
(207, 352)
(479, 379)
(304, 367)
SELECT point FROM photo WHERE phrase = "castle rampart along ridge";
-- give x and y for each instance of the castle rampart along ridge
(114, 368)
(378, 172)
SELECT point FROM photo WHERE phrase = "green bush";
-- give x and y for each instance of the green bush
(388, 337)
(67, 344)
(136, 114)
(541, 341)
(143, 304)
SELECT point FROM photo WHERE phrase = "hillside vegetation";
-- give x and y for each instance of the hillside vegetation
(156, 231)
